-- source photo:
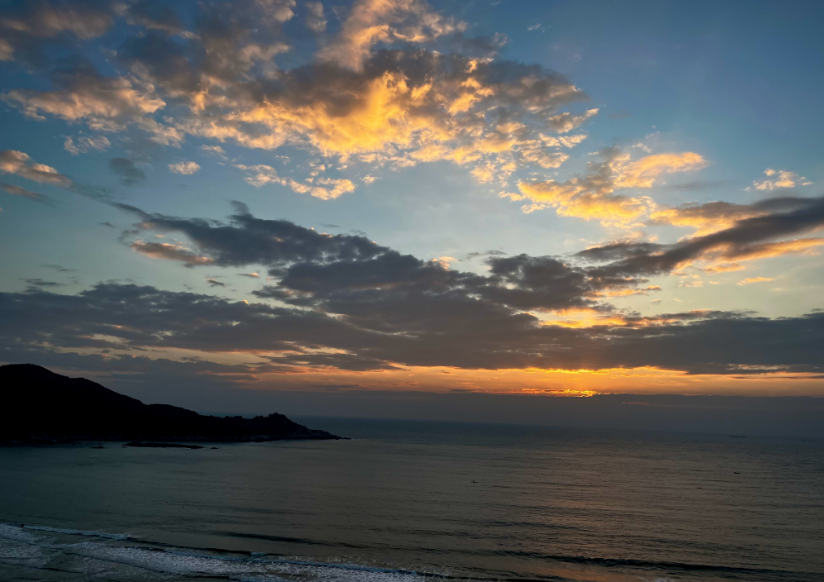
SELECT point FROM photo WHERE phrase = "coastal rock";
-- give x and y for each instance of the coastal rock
(41, 407)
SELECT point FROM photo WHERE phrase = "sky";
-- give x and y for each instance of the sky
(555, 198)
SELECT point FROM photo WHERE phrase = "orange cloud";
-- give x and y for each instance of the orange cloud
(593, 196)
(724, 268)
(572, 199)
(780, 179)
(642, 173)
(535, 382)
(719, 256)
(705, 218)
(805, 246)
(628, 292)
(752, 280)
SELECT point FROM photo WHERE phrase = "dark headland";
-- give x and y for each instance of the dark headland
(39, 406)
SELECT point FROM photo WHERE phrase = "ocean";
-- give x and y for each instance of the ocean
(412, 501)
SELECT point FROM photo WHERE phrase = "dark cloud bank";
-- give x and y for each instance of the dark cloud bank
(348, 303)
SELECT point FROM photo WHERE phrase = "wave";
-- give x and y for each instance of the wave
(78, 532)
(175, 561)
(648, 565)
(178, 562)
(582, 560)
(291, 540)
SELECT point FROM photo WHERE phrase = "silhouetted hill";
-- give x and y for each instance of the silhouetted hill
(37, 405)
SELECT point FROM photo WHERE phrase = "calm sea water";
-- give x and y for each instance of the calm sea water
(404, 502)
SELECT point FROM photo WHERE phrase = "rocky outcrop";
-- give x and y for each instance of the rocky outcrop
(39, 406)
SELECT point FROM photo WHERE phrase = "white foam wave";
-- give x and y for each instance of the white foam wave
(180, 562)
(19, 548)
(10, 531)
(183, 563)
(79, 532)
(161, 561)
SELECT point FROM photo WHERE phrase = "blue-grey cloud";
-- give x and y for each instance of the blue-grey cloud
(128, 171)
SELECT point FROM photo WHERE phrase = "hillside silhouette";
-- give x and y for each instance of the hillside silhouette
(39, 406)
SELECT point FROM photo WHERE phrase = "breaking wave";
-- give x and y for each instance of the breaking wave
(53, 549)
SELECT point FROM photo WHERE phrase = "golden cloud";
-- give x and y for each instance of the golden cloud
(592, 196)
(751, 280)
(642, 173)
(780, 179)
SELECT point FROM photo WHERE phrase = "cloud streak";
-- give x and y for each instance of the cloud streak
(18, 191)
(20, 164)
(748, 239)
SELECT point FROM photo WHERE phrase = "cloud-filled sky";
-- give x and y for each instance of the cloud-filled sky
(566, 199)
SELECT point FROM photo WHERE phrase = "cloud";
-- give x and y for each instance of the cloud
(724, 268)
(21, 164)
(260, 175)
(170, 252)
(385, 21)
(18, 191)
(315, 18)
(129, 173)
(57, 268)
(748, 239)
(41, 284)
(491, 253)
(396, 86)
(214, 150)
(569, 141)
(714, 216)
(334, 188)
(82, 93)
(592, 196)
(27, 28)
(780, 179)
(86, 144)
(155, 15)
(313, 267)
(752, 280)
(566, 122)
(695, 185)
(247, 240)
(116, 317)
(324, 188)
(642, 173)
(184, 167)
